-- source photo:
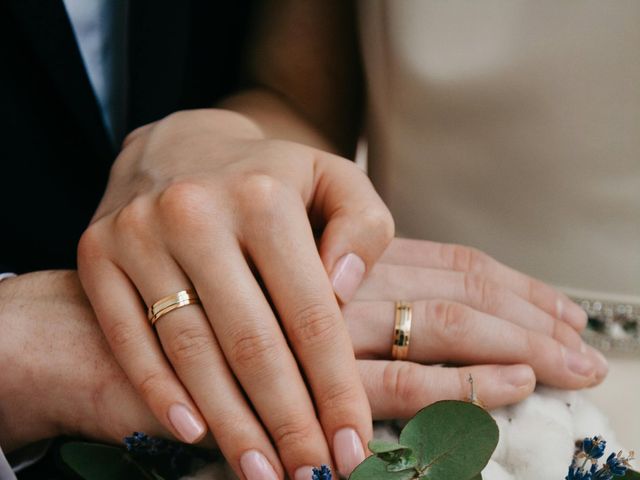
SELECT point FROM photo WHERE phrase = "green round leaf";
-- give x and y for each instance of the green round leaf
(451, 439)
(402, 463)
(631, 475)
(375, 469)
(383, 446)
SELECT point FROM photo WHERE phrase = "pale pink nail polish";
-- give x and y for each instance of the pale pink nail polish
(303, 473)
(255, 466)
(347, 275)
(187, 425)
(347, 450)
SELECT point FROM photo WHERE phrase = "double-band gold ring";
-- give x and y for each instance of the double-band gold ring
(170, 303)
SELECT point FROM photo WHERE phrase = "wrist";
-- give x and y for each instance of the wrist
(277, 119)
(28, 313)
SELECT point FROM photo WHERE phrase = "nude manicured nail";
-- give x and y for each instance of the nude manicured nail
(517, 375)
(572, 313)
(578, 363)
(303, 473)
(347, 275)
(347, 450)
(187, 425)
(255, 466)
(600, 361)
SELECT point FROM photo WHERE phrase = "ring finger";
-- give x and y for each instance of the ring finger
(449, 332)
(388, 282)
(192, 349)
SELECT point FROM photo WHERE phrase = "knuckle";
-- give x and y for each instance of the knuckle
(261, 199)
(152, 384)
(379, 222)
(121, 334)
(293, 432)
(90, 246)
(462, 258)
(189, 343)
(401, 381)
(454, 320)
(338, 397)
(249, 350)
(183, 204)
(313, 323)
(483, 292)
(530, 348)
(132, 220)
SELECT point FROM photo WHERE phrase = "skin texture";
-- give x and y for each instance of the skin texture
(236, 204)
(208, 199)
(237, 182)
(61, 378)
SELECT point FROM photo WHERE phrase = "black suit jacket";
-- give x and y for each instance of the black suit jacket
(55, 154)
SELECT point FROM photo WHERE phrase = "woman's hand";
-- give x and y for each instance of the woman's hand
(58, 375)
(201, 200)
(468, 309)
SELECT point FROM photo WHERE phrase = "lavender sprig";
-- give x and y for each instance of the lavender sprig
(321, 473)
(591, 450)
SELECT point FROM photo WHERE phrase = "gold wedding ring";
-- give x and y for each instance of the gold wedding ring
(170, 303)
(401, 331)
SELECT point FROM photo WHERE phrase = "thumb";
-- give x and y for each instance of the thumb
(357, 224)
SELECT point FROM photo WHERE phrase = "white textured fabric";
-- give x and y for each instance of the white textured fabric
(514, 127)
(537, 437)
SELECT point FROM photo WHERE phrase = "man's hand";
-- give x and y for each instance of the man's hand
(468, 309)
(58, 376)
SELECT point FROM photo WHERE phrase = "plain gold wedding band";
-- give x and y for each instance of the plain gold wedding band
(170, 303)
(401, 331)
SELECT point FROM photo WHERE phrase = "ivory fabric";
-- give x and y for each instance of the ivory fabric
(514, 127)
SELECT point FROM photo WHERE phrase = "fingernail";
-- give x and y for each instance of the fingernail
(578, 363)
(347, 275)
(601, 363)
(347, 450)
(573, 314)
(255, 466)
(189, 428)
(517, 375)
(303, 473)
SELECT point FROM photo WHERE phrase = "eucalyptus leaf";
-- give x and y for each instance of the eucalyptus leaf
(93, 461)
(373, 468)
(383, 446)
(477, 477)
(631, 475)
(404, 462)
(451, 439)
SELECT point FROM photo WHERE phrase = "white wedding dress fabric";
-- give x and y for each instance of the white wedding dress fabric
(514, 127)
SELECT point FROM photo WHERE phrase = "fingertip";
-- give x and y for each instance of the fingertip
(521, 377)
(188, 426)
(572, 313)
(347, 276)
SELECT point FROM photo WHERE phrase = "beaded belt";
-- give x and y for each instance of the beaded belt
(613, 327)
